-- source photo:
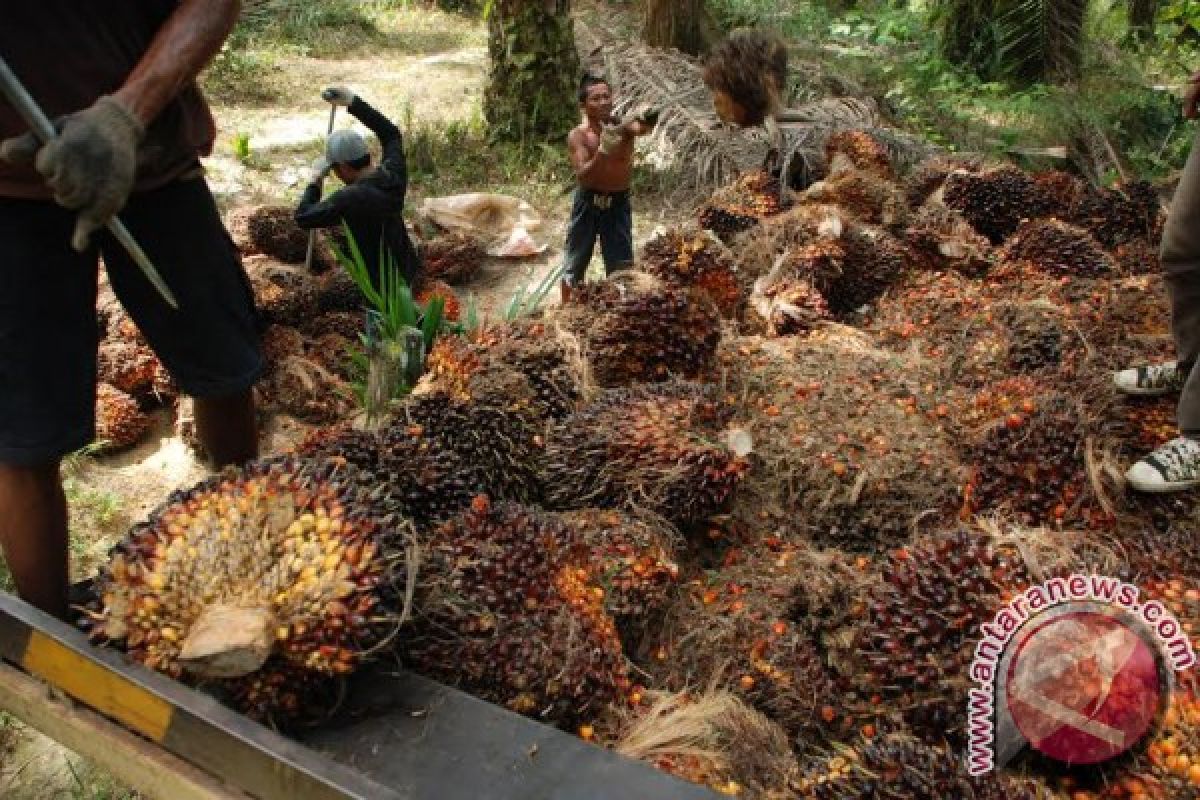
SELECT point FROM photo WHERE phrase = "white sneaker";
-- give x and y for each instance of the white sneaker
(1171, 468)
(1151, 380)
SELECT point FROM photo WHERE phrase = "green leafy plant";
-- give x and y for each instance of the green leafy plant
(528, 298)
(241, 146)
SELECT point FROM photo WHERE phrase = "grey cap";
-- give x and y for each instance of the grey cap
(344, 146)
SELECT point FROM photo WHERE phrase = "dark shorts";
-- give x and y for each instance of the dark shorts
(609, 216)
(48, 335)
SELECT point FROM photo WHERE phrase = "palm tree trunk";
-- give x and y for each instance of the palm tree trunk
(1142, 15)
(534, 70)
(685, 25)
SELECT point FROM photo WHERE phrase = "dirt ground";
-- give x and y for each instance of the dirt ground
(427, 68)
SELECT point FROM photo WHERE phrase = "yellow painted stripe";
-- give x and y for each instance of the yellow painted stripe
(92, 684)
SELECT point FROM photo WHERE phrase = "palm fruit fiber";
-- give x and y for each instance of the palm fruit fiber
(120, 424)
(268, 230)
(943, 239)
(863, 195)
(858, 150)
(694, 260)
(337, 291)
(922, 622)
(454, 258)
(1057, 248)
(439, 452)
(510, 610)
(712, 739)
(850, 442)
(741, 205)
(1120, 215)
(747, 74)
(286, 562)
(789, 306)
(634, 328)
(894, 764)
(654, 447)
(927, 177)
(283, 295)
(995, 201)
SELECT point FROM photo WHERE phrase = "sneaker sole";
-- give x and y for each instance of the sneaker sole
(1164, 488)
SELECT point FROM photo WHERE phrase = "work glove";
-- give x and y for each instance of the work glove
(90, 166)
(320, 168)
(338, 96)
(610, 138)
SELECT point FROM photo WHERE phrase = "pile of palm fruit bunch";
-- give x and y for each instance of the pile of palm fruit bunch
(272, 231)
(120, 423)
(659, 447)
(860, 180)
(131, 382)
(741, 205)
(636, 328)
(694, 259)
(265, 582)
(454, 258)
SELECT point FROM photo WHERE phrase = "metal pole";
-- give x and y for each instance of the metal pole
(312, 235)
(42, 128)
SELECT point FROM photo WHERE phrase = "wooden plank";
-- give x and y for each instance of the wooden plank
(132, 760)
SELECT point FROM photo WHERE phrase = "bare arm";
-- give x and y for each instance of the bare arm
(583, 162)
(184, 45)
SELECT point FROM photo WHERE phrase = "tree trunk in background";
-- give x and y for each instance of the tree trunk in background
(966, 38)
(531, 92)
(1142, 15)
(685, 25)
(1064, 40)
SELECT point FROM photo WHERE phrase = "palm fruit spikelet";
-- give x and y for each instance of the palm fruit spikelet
(654, 447)
(337, 291)
(789, 307)
(510, 610)
(284, 295)
(849, 440)
(1058, 249)
(995, 201)
(341, 442)
(922, 622)
(537, 352)
(741, 205)
(283, 559)
(860, 151)
(269, 230)
(119, 422)
(943, 239)
(929, 175)
(454, 258)
(634, 328)
(694, 260)
(429, 289)
(747, 74)
(863, 195)
(894, 764)
(1119, 215)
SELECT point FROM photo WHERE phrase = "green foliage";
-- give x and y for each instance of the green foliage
(528, 298)
(530, 95)
(241, 146)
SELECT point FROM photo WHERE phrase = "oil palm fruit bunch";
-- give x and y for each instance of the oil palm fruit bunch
(943, 239)
(337, 291)
(1037, 340)
(439, 452)
(283, 295)
(654, 447)
(994, 201)
(923, 621)
(1032, 462)
(858, 150)
(341, 443)
(1062, 192)
(894, 764)
(332, 353)
(695, 260)
(927, 177)
(452, 363)
(120, 424)
(283, 559)
(1127, 213)
(863, 195)
(633, 555)
(531, 348)
(510, 610)
(429, 289)
(347, 324)
(851, 269)
(307, 390)
(635, 328)
(129, 366)
(1057, 248)
(789, 306)
(741, 205)
(454, 258)
(758, 251)
(747, 75)
(270, 231)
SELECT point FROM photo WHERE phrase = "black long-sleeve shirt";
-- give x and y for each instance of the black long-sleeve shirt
(373, 205)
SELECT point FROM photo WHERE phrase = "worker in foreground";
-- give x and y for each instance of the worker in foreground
(601, 152)
(371, 203)
(1175, 466)
(120, 79)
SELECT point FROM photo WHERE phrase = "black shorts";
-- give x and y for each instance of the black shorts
(48, 335)
(609, 216)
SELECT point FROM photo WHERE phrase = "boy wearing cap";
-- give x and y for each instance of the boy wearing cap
(372, 201)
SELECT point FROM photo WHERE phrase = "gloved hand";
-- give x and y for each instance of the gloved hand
(338, 96)
(610, 138)
(90, 166)
(648, 115)
(320, 168)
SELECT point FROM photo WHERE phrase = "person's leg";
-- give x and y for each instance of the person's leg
(616, 235)
(581, 243)
(48, 342)
(210, 345)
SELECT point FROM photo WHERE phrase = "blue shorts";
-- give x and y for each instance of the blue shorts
(607, 215)
(48, 328)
